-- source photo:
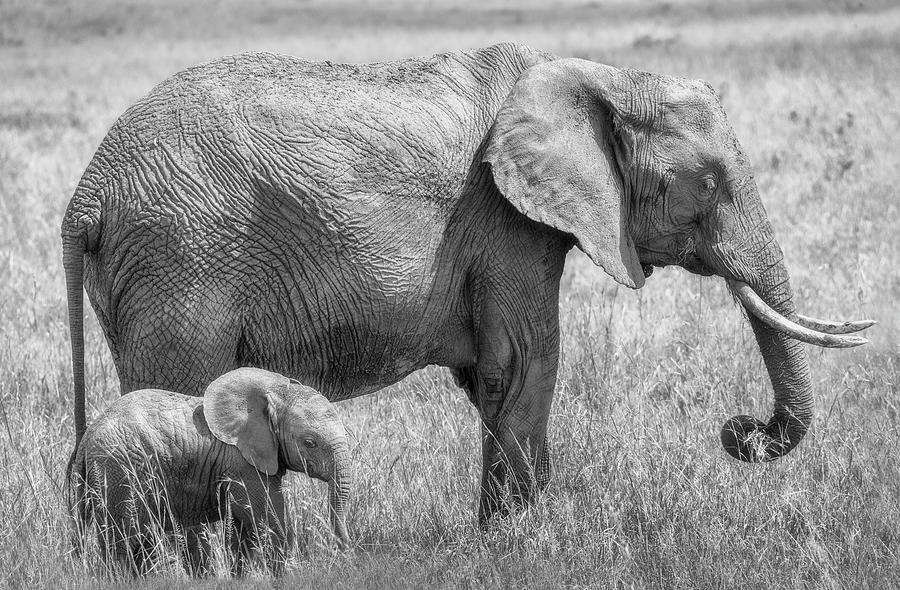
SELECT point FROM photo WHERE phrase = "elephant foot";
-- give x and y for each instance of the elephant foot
(503, 494)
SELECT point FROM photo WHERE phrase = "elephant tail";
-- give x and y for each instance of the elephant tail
(74, 242)
(76, 498)
(80, 234)
(73, 263)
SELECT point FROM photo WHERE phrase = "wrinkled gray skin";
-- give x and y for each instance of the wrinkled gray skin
(225, 453)
(348, 224)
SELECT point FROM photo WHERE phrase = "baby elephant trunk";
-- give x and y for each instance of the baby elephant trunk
(339, 492)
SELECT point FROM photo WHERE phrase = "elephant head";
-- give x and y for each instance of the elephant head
(278, 423)
(645, 170)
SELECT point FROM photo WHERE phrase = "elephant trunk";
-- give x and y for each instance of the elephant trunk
(745, 437)
(339, 493)
(750, 258)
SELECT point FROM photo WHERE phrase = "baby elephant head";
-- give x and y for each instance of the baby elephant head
(278, 423)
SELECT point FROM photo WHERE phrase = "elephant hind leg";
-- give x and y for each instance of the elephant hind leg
(118, 548)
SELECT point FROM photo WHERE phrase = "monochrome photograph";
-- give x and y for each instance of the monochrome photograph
(449, 294)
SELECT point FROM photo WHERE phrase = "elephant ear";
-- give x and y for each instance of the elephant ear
(552, 150)
(240, 410)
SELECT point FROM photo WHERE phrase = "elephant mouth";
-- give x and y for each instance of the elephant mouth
(692, 264)
(306, 466)
(698, 267)
(680, 251)
(313, 471)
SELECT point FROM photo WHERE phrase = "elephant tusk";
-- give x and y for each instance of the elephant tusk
(831, 327)
(760, 309)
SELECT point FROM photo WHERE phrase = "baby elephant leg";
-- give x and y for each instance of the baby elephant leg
(118, 541)
(257, 507)
(197, 551)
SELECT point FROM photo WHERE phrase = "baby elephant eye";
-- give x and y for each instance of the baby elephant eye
(309, 443)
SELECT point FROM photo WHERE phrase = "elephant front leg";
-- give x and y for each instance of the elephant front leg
(515, 453)
(512, 386)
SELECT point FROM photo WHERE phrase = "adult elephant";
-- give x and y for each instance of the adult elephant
(346, 225)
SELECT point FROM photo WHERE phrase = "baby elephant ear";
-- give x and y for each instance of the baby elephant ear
(239, 407)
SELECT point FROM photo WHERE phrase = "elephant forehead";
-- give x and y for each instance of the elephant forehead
(685, 101)
(315, 409)
(692, 115)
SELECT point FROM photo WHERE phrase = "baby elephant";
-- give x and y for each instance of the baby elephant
(157, 459)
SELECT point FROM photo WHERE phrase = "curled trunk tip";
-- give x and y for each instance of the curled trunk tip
(744, 437)
(747, 439)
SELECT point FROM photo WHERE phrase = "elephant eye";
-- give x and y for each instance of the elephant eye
(707, 186)
(309, 443)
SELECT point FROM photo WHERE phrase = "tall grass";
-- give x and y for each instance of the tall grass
(643, 496)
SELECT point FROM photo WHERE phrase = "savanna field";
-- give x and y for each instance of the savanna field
(643, 495)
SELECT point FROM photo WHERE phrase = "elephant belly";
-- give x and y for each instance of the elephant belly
(345, 355)
(347, 318)
(348, 301)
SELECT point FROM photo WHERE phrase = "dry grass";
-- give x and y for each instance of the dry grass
(643, 495)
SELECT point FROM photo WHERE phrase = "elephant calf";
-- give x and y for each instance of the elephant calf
(157, 459)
